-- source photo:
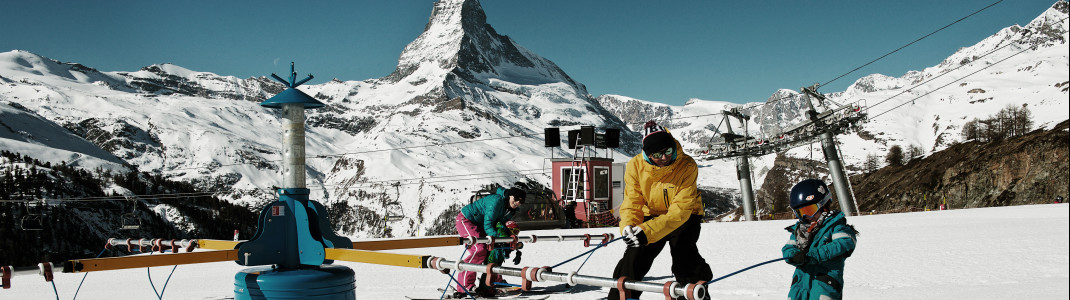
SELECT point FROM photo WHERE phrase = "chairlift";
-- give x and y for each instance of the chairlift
(32, 220)
(130, 221)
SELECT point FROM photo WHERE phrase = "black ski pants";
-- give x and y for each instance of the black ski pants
(688, 266)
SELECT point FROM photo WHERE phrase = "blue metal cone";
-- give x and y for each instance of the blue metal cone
(292, 95)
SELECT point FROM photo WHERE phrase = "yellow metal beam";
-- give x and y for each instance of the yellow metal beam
(141, 261)
(379, 258)
(217, 244)
(407, 243)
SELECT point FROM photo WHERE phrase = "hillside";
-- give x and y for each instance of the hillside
(1029, 169)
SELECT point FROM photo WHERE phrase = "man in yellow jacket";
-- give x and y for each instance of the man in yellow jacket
(661, 205)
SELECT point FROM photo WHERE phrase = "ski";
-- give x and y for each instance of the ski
(517, 297)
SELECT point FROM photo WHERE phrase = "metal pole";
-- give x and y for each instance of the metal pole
(743, 175)
(592, 239)
(293, 145)
(839, 177)
(673, 289)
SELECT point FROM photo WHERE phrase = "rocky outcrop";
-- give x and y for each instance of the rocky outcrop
(1030, 169)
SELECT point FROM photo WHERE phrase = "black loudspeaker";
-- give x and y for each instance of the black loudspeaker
(612, 138)
(587, 135)
(573, 136)
(552, 137)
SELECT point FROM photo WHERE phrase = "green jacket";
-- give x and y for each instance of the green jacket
(822, 274)
(488, 211)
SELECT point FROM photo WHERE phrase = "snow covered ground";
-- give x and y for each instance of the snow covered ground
(1019, 252)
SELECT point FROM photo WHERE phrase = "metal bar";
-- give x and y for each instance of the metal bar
(142, 261)
(689, 291)
(543, 238)
(217, 244)
(407, 243)
(152, 245)
(42, 269)
(379, 258)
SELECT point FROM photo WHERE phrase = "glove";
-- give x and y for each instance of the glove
(516, 260)
(634, 236)
(802, 236)
(799, 259)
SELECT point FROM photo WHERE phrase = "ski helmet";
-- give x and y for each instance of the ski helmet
(512, 227)
(808, 197)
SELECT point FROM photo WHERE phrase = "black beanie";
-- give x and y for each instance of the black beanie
(656, 138)
(517, 193)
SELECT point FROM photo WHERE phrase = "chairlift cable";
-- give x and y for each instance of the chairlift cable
(956, 80)
(900, 48)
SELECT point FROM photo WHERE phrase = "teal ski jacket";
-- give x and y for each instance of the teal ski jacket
(488, 211)
(821, 276)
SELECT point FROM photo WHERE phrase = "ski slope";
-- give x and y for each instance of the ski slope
(1019, 252)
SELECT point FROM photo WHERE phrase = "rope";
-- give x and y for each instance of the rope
(83, 277)
(588, 251)
(454, 280)
(54, 289)
(148, 271)
(744, 269)
(160, 294)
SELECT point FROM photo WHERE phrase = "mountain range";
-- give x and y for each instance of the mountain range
(465, 107)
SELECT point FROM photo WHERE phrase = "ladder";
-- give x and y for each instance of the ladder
(577, 177)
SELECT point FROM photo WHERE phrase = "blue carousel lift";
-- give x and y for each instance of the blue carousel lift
(288, 249)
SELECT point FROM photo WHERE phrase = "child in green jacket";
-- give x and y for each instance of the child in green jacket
(820, 243)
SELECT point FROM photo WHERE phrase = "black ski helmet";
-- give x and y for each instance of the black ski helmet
(807, 192)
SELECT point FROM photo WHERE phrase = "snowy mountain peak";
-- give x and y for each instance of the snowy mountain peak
(457, 40)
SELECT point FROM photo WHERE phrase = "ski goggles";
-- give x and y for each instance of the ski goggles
(806, 211)
(663, 153)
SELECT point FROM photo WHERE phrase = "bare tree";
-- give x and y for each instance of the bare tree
(913, 152)
(971, 130)
(872, 163)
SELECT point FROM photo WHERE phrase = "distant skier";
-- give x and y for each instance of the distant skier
(479, 218)
(661, 206)
(820, 243)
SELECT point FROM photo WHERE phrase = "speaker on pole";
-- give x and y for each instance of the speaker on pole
(552, 137)
(612, 138)
(573, 136)
(587, 135)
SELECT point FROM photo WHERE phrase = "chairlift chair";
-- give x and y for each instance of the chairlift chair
(130, 221)
(32, 222)
(33, 219)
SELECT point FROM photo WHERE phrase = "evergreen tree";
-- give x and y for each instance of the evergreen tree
(895, 156)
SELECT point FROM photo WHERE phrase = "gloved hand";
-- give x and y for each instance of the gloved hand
(516, 260)
(634, 236)
(802, 236)
(799, 259)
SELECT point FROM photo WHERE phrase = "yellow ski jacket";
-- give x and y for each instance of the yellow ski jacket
(668, 194)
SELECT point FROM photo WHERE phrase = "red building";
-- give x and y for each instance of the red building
(587, 181)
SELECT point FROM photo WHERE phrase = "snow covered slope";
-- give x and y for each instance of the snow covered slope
(1018, 252)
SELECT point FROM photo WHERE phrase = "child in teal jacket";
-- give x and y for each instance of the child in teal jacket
(819, 245)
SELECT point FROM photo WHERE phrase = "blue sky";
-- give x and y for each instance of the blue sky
(662, 51)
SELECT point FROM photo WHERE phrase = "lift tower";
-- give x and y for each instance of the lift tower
(823, 126)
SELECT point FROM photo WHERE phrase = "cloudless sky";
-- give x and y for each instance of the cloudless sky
(662, 51)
